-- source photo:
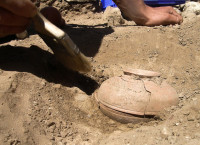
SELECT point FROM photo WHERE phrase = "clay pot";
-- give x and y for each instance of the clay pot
(53, 15)
(141, 73)
(127, 99)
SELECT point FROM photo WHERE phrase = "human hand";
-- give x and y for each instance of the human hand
(162, 16)
(15, 16)
(141, 14)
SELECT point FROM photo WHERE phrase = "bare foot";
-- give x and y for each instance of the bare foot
(141, 14)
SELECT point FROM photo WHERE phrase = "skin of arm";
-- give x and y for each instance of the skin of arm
(15, 16)
(141, 14)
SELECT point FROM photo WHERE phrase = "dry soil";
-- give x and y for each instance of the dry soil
(42, 103)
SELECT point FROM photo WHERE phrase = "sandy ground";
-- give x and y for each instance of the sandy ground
(42, 103)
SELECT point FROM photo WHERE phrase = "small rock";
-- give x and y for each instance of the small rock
(197, 125)
(165, 133)
(181, 95)
(50, 124)
(14, 142)
(57, 86)
(194, 99)
(197, 135)
(81, 97)
(52, 138)
(181, 120)
(191, 118)
(63, 133)
(198, 117)
(35, 103)
(130, 125)
(173, 107)
(192, 7)
(172, 139)
(187, 137)
(113, 16)
(60, 143)
(177, 124)
(43, 83)
(52, 129)
(186, 113)
(22, 35)
(189, 15)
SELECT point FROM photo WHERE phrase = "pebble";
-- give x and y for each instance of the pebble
(14, 142)
(43, 83)
(198, 117)
(57, 86)
(186, 113)
(172, 139)
(173, 107)
(63, 133)
(60, 143)
(52, 138)
(113, 16)
(181, 95)
(165, 133)
(130, 125)
(52, 129)
(22, 35)
(81, 97)
(177, 124)
(197, 135)
(192, 7)
(191, 118)
(181, 120)
(194, 99)
(187, 137)
(51, 124)
(35, 103)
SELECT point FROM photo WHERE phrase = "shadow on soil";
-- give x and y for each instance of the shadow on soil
(88, 38)
(43, 64)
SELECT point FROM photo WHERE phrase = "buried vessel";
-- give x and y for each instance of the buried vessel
(135, 96)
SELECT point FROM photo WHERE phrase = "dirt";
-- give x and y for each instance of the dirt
(43, 103)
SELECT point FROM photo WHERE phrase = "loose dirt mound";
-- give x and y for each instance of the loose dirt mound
(43, 103)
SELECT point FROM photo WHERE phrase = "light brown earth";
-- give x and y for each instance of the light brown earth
(42, 103)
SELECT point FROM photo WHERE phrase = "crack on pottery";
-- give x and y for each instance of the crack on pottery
(148, 100)
(126, 78)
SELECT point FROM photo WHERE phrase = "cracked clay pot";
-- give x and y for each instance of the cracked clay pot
(135, 96)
